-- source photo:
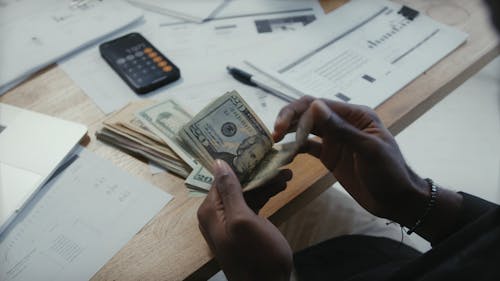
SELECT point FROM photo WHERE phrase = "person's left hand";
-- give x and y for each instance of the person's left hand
(247, 247)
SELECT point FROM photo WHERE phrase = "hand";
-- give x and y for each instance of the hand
(246, 246)
(361, 153)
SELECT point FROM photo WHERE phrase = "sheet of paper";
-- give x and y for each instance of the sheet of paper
(38, 33)
(375, 49)
(77, 222)
(240, 8)
(31, 147)
(192, 10)
(202, 53)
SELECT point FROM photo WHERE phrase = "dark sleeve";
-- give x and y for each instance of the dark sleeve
(471, 253)
(472, 208)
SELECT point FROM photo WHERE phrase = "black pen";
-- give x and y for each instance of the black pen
(249, 79)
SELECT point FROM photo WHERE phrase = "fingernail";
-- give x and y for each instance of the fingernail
(323, 109)
(220, 167)
(279, 118)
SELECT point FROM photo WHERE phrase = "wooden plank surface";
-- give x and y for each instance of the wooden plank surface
(170, 247)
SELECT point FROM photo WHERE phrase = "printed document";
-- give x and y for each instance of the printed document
(77, 222)
(37, 33)
(239, 8)
(191, 10)
(32, 145)
(375, 49)
(201, 51)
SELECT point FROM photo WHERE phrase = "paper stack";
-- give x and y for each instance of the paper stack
(53, 29)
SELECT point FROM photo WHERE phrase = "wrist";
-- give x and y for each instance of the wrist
(437, 219)
(412, 202)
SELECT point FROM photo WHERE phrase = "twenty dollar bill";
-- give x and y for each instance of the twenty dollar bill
(229, 129)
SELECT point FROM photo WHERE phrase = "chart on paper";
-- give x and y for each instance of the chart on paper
(364, 60)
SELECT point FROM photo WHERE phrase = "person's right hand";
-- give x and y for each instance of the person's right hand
(361, 153)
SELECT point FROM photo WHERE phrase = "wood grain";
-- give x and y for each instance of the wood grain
(170, 246)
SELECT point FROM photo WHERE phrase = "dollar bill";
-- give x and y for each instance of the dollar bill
(138, 149)
(165, 120)
(229, 129)
(125, 131)
(200, 178)
(126, 119)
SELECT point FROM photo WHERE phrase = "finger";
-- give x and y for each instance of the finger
(304, 127)
(289, 115)
(330, 125)
(229, 189)
(348, 111)
(208, 218)
(207, 237)
(312, 147)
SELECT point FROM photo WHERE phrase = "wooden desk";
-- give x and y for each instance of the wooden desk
(170, 247)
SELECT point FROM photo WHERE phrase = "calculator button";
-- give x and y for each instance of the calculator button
(148, 50)
(162, 64)
(130, 57)
(157, 59)
(153, 67)
(120, 61)
(139, 54)
(167, 68)
(153, 54)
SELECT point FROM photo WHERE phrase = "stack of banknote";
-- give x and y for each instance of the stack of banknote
(125, 131)
(165, 120)
(226, 129)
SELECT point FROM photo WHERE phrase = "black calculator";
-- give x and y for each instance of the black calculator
(139, 63)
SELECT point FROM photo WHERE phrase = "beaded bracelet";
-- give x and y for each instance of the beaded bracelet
(430, 205)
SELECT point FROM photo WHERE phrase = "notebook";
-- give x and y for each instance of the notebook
(32, 145)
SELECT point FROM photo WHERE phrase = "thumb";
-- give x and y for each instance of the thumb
(229, 189)
(331, 126)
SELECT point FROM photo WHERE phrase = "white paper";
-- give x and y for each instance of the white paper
(242, 8)
(372, 52)
(77, 222)
(191, 10)
(202, 53)
(32, 145)
(37, 33)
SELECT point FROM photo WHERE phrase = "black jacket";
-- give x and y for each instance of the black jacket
(471, 253)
